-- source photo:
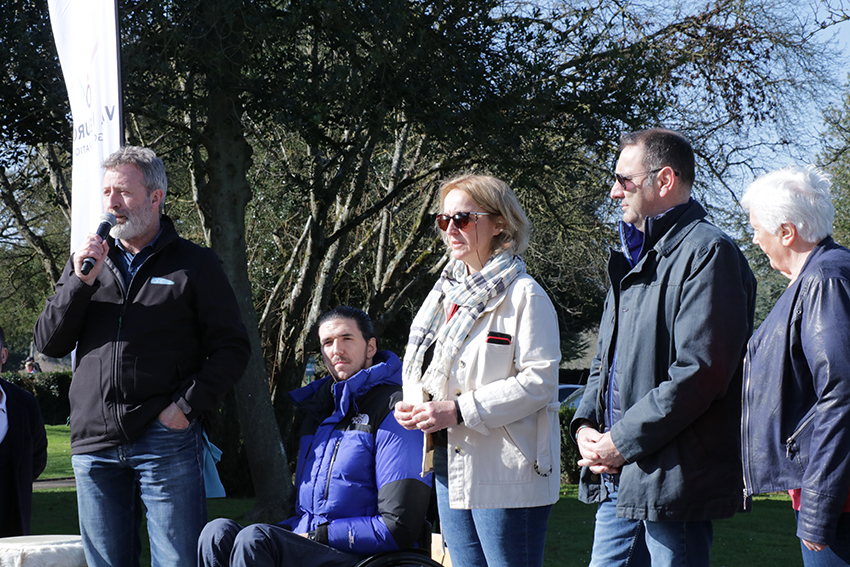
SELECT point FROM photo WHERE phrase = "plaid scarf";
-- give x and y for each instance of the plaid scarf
(470, 293)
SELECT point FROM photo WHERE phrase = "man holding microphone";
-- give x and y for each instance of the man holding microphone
(159, 340)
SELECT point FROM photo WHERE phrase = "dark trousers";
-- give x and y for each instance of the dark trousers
(225, 543)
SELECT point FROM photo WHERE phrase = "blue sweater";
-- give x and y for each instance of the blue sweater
(358, 488)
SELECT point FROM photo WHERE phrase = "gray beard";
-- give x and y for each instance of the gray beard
(134, 226)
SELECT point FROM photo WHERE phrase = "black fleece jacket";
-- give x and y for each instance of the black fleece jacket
(174, 335)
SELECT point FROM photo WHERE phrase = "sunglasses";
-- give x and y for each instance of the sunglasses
(621, 179)
(460, 220)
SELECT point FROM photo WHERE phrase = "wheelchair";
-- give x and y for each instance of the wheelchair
(401, 558)
(414, 557)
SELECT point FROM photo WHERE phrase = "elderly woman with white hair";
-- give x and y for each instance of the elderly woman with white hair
(796, 400)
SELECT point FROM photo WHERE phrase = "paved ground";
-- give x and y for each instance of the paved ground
(54, 483)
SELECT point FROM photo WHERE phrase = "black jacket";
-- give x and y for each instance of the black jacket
(176, 335)
(23, 456)
(796, 414)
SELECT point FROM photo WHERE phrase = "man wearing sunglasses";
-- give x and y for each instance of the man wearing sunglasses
(657, 427)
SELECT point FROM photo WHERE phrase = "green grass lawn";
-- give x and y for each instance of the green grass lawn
(761, 538)
(54, 511)
(58, 452)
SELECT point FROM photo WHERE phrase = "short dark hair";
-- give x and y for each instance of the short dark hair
(2, 339)
(662, 148)
(364, 322)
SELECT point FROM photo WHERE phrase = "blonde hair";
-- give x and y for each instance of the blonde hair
(496, 198)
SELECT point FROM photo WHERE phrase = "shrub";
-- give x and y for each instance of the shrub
(569, 450)
(51, 391)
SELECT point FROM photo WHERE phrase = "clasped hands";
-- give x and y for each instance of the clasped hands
(601, 456)
(429, 417)
(598, 452)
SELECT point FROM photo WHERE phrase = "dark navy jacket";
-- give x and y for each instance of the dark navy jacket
(679, 321)
(358, 487)
(23, 456)
(796, 421)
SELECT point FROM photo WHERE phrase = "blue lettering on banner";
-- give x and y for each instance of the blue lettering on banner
(85, 136)
(83, 149)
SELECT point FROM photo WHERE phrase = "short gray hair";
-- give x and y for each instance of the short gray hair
(152, 168)
(796, 195)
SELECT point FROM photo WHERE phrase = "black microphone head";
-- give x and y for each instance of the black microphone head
(109, 219)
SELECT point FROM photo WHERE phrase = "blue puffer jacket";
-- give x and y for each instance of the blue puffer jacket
(358, 487)
(796, 407)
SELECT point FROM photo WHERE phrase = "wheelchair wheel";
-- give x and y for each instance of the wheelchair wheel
(399, 559)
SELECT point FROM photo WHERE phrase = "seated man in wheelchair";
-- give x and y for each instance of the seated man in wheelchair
(357, 483)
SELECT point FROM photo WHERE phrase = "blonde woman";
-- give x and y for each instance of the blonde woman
(481, 379)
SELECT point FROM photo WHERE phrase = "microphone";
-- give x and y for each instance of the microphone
(107, 221)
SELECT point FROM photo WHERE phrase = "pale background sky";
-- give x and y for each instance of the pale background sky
(841, 34)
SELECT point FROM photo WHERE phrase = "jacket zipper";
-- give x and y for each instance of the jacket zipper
(745, 427)
(331, 467)
(790, 440)
(609, 395)
(115, 369)
(116, 364)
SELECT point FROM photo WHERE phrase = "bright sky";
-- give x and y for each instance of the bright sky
(844, 41)
(814, 112)
(841, 32)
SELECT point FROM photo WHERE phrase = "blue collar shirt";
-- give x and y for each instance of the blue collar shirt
(128, 263)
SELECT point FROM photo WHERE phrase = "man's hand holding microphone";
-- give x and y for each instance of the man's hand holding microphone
(88, 258)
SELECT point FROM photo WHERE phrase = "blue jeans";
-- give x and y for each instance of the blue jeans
(837, 554)
(224, 543)
(636, 543)
(160, 474)
(494, 537)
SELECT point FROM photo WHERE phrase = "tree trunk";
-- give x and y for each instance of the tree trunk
(222, 200)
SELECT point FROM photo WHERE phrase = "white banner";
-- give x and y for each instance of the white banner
(86, 38)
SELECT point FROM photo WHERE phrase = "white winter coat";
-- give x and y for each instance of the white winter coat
(506, 454)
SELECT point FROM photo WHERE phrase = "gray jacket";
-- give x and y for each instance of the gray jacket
(679, 323)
